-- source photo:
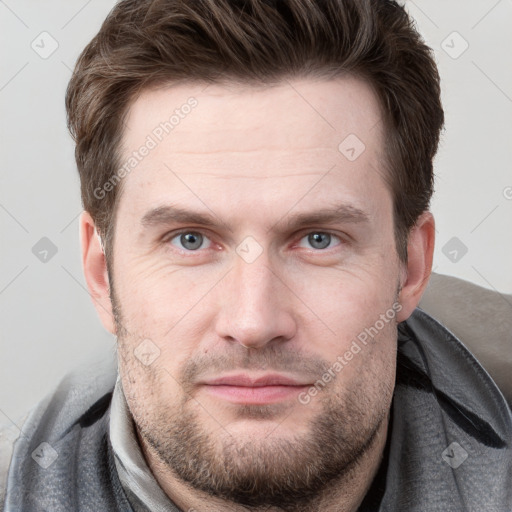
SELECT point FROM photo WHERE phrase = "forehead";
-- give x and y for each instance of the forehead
(311, 110)
(245, 139)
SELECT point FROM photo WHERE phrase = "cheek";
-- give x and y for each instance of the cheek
(148, 386)
(370, 374)
(157, 298)
(349, 302)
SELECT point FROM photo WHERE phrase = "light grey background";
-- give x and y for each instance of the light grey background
(48, 324)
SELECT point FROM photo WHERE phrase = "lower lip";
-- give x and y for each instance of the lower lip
(255, 395)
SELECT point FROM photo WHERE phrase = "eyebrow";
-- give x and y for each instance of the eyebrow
(345, 213)
(162, 215)
(340, 214)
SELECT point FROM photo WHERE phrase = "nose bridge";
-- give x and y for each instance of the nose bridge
(255, 310)
(254, 283)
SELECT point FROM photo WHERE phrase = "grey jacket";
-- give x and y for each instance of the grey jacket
(449, 444)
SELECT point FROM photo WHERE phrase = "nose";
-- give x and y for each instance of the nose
(255, 306)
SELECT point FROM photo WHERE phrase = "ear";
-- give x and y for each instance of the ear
(95, 271)
(416, 273)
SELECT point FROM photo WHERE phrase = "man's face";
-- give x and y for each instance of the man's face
(226, 322)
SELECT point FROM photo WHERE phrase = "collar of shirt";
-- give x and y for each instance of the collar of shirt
(141, 487)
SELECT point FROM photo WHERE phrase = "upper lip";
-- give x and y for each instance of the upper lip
(245, 380)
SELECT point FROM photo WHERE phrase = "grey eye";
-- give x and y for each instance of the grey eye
(191, 240)
(319, 240)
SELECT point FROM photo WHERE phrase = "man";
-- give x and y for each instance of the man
(256, 177)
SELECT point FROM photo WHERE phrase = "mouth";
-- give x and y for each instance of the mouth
(254, 390)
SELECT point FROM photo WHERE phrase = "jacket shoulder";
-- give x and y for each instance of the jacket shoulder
(80, 397)
(480, 318)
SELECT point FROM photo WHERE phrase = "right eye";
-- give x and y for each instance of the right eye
(190, 241)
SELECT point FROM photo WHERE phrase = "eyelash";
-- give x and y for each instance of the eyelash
(191, 253)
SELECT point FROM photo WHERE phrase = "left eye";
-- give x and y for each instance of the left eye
(190, 241)
(319, 240)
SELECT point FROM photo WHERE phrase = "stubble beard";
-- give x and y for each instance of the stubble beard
(273, 471)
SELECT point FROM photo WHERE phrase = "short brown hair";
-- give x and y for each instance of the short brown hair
(146, 43)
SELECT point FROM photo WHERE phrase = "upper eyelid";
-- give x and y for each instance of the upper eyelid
(176, 232)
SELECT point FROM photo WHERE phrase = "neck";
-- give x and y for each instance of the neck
(342, 495)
